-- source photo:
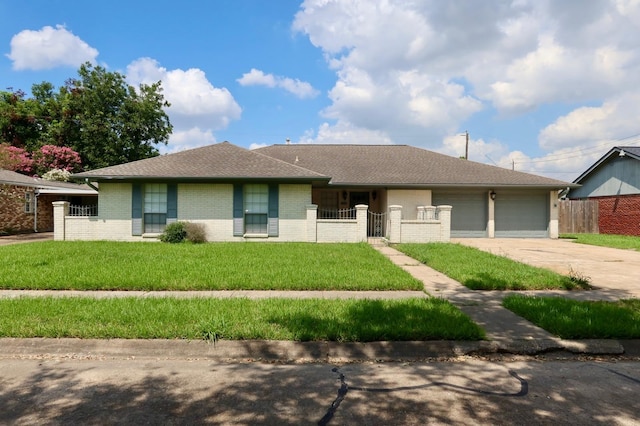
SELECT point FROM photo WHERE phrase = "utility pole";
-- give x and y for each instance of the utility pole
(466, 147)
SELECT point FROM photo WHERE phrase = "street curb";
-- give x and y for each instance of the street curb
(286, 351)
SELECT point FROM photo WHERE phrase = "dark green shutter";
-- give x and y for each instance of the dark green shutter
(172, 203)
(136, 209)
(238, 210)
(273, 210)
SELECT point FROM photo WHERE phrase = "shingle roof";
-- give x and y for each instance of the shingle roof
(400, 165)
(212, 162)
(12, 178)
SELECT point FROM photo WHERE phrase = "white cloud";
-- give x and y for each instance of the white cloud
(345, 133)
(257, 78)
(194, 100)
(415, 71)
(615, 119)
(197, 107)
(258, 145)
(300, 89)
(49, 48)
(187, 139)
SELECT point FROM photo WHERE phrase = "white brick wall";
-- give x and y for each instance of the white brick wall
(292, 210)
(209, 204)
(410, 200)
(414, 231)
(337, 231)
(420, 231)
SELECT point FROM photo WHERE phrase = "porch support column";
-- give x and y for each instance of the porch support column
(312, 219)
(395, 224)
(60, 211)
(491, 223)
(553, 215)
(429, 212)
(361, 220)
(444, 214)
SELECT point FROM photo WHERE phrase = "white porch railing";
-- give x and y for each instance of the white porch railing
(83, 210)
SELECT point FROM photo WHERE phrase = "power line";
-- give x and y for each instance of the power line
(579, 152)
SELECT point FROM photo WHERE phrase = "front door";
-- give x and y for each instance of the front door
(356, 198)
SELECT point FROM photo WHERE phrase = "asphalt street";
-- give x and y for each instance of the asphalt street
(67, 390)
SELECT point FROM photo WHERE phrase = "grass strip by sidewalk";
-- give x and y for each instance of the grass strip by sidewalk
(102, 265)
(571, 319)
(479, 270)
(627, 242)
(348, 320)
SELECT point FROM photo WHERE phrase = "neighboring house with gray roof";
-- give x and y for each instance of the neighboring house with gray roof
(26, 202)
(614, 181)
(318, 193)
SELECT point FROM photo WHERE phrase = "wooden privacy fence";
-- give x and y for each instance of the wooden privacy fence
(578, 217)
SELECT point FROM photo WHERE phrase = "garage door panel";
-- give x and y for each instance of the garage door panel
(522, 215)
(468, 215)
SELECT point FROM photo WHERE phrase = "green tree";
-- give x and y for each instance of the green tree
(108, 121)
(19, 120)
(98, 115)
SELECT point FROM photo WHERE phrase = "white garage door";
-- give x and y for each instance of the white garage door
(524, 215)
(469, 213)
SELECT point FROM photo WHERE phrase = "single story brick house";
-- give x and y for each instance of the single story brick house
(316, 193)
(614, 181)
(25, 202)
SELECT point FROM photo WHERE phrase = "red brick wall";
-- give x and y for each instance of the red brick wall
(45, 212)
(619, 215)
(13, 219)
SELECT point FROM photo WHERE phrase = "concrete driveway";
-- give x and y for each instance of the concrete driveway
(614, 272)
(25, 238)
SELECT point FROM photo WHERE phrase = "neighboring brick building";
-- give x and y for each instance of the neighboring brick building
(25, 202)
(614, 180)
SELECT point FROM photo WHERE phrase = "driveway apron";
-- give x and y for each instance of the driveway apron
(614, 273)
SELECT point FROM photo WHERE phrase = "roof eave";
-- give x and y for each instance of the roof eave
(457, 185)
(194, 179)
(603, 159)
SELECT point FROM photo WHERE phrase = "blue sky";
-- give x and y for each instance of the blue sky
(543, 86)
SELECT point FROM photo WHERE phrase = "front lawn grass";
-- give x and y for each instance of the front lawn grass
(479, 270)
(102, 265)
(571, 319)
(347, 320)
(627, 242)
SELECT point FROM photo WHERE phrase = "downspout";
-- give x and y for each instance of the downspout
(90, 185)
(35, 210)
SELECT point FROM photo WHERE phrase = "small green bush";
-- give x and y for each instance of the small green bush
(195, 232)
(174, 233)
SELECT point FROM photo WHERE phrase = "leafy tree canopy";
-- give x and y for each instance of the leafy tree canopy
(98, 115)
